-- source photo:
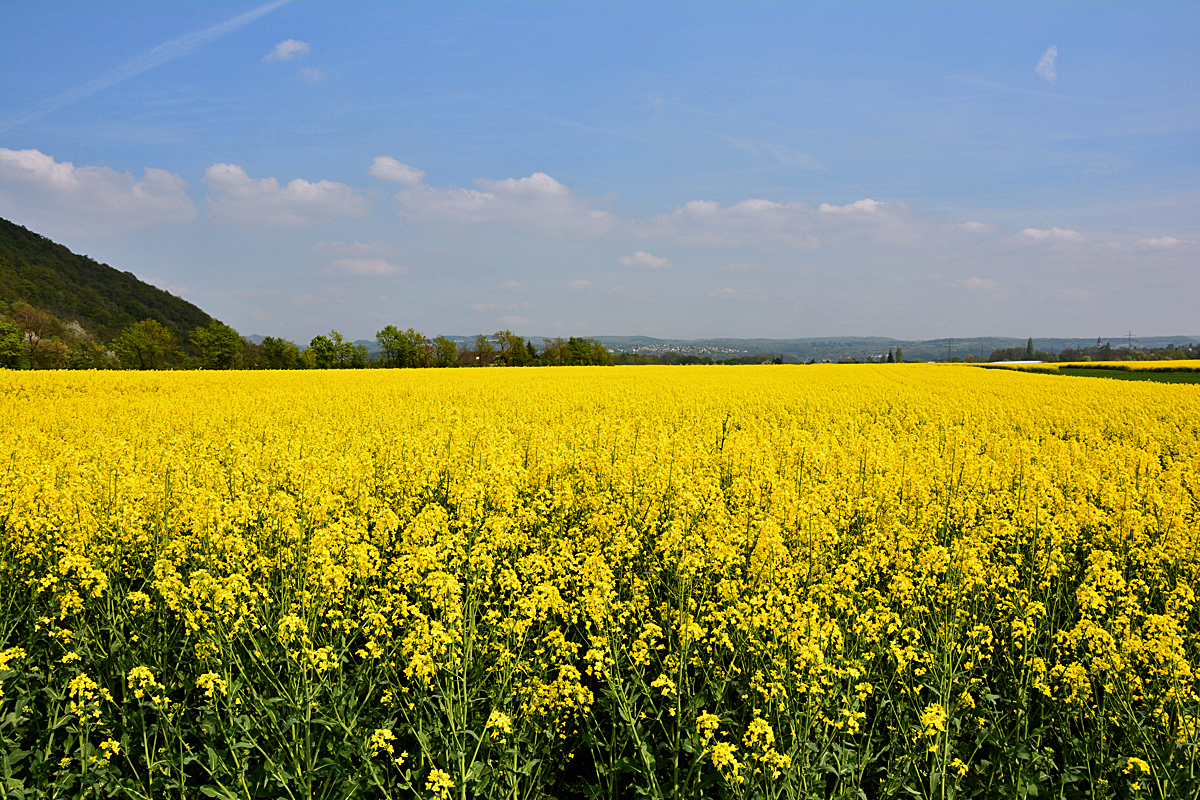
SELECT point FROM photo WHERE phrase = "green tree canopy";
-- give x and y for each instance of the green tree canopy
(511, 347)
(391, 346)
(10, 346)
(280, 353)
(359, 357)
(445, 352)
(323, 352)
(399, 348)
(485, 353)
(46, 275)
(145, 344)
(38, 330)
(219, 345)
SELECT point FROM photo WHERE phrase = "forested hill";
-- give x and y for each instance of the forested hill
(40, 272)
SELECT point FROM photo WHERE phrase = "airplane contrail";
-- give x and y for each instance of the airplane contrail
(167, 51)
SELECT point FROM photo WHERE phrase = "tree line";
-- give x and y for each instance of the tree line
(1098, 352)
(33, 338)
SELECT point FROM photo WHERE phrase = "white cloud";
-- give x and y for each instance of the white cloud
(750, 222)
(1045, 67)
(236, 197)
(537, 203)
(643, 260)
(723, 293)
(389, 169)
(797, 226)
(867, 206)
(512, 286)
(1163, 242)
(288, 50)
(312, 75)
(580, 286)
(1054, 235)
(369, 266)
(60, 198)
(540, 204)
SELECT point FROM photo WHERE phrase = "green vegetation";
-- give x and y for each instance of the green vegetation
(1114, 371)
(73, 288)
(1125, 366)
(1174, 376)
(59, 310)
(1103, 353)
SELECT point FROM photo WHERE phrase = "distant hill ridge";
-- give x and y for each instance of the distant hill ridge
(862, 347)
(42, 273)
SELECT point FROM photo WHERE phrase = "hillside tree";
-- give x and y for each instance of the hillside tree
(511, 347)
(445, 351)
(37, 329)
(322, 352)
(484, 352)
(11, 348)
(146, 344)
(392, 346)
(219, 345)
(280, 353)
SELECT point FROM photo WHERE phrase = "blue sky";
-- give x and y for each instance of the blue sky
(670, 169)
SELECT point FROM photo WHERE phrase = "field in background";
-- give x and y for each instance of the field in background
(1134, 366)
(822, 581)
(1158, 371)
(1154, 376)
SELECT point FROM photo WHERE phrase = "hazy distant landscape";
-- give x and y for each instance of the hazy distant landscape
(835, 349)
(61, 309)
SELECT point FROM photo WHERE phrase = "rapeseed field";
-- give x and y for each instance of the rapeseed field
(1186, 365)
(753, 582)
(1189, 365)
